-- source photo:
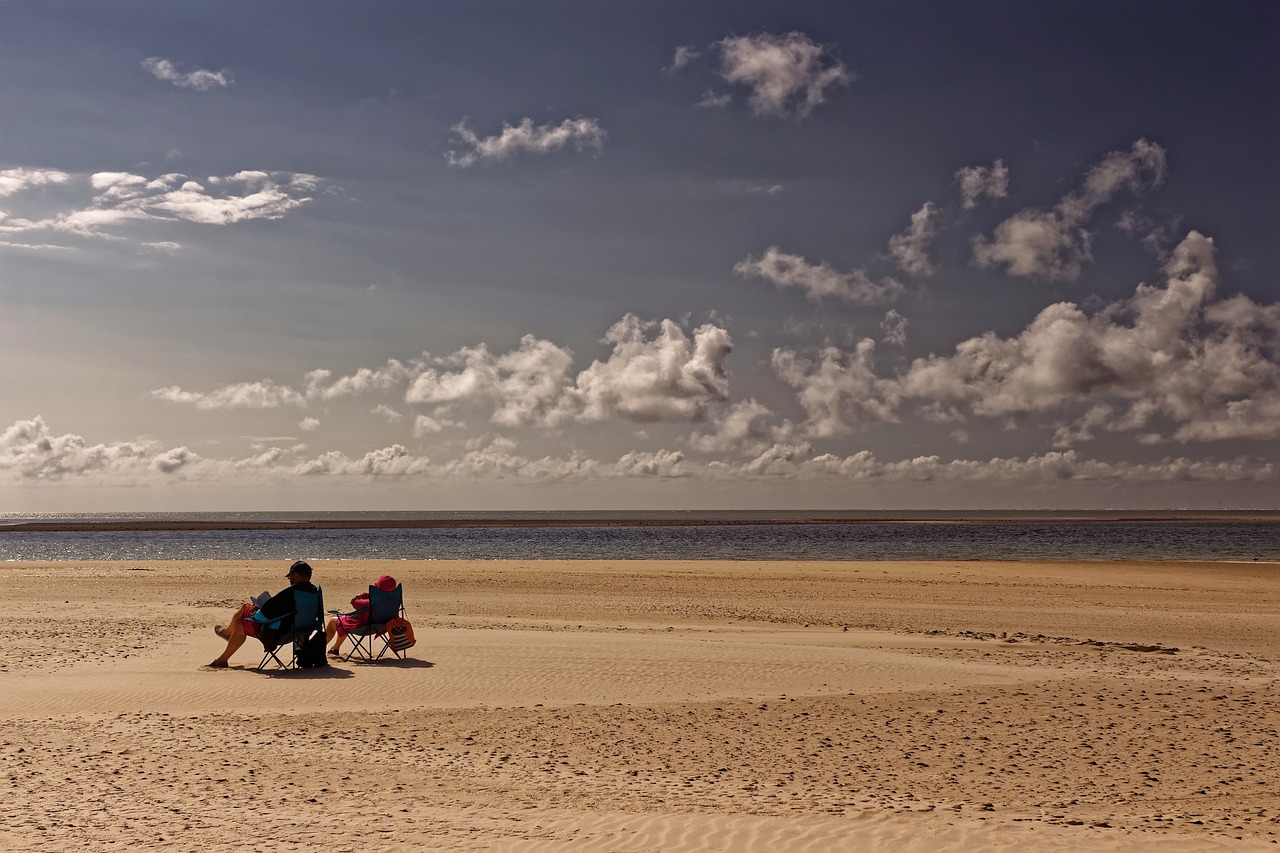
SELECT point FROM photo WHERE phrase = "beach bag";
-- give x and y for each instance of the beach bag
(400, 634)
(311, 655)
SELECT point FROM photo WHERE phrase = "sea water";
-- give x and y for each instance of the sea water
(716, 536)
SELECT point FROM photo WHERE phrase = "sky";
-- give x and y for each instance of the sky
(399, 254)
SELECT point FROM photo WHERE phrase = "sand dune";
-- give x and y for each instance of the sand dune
(656, 706)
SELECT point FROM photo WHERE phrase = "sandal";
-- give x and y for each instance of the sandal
(218, 664)
(221, 632)
(334, 653)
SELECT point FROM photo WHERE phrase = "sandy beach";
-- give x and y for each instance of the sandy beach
(646, 706)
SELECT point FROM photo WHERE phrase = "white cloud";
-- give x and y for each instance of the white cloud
(120, 197)
(382, 410)
(894, 327)
(320, 386)
(839, 391)
(309, 424)
(427, 425)
(16, 180)
(910, 249)
(741, 427)
(659, 463)
(979, 182)
(201, 79)
(669, 378)
(817, 281)
(685, 54)
(1055, 243)
(527, 385)
(1212, 369)
(583, 134)
(788, 75)
(712, 100)
(264, 394)
(30, 451)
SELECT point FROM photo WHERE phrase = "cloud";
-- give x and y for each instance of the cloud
(120, 197)
(659, 463)
(788, 75)
(264, 394)
(685, 54)
(319, 384)
(16, 180)
(30, 451)
(583, 134)
(910, 249)
(894, 327)
(202, 80)
(1211, 368)
(739, 185)
(979, 182)
(1054, 243)
(309, 424)
(382, 410)
(838, 391)
(817, 281)
(527, 385)
(712, 100)
(667, 378)
(741, 427)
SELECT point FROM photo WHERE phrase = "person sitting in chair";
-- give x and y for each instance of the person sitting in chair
(243, 624)
(343, 624)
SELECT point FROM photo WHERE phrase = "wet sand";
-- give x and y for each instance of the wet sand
(654, 705)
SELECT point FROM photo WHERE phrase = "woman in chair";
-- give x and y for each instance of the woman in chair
(281, 604)
(337, 628)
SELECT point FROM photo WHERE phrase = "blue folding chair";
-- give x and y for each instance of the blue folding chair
(383, 607)
(288, 634)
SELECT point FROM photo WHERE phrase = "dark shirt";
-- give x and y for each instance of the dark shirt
(281, 604)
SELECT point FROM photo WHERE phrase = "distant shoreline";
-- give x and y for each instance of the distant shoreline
(173, 524)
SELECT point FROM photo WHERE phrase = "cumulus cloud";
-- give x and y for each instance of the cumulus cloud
(526, 385)
(817, 281)
(320, 384)
(788, 75)
(838, 390)
(1055, 243)
(979, 182)
(894, 328)
(743, 426)
(667, 378)
(659, 463)
(29, 450)
(582, 134)
(309, 424)
(910, 249)
(382, 410)
(1211, 368)
(120, 197)
(200, 79)
(263, 394)
(16, 180)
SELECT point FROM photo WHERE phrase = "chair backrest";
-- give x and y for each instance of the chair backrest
(308, 611)
(385, 605)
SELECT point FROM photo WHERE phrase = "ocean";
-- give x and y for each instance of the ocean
(766, 535)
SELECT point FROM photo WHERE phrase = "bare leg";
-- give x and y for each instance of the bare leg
(235, 639)
(331, 631)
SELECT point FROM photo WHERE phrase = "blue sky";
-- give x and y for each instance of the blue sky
(658, 255)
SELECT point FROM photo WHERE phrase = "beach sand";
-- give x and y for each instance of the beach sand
(654, 706)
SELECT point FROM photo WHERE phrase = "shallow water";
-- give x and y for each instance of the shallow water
(1032, 538)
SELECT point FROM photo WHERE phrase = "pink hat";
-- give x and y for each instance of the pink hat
(386, 583)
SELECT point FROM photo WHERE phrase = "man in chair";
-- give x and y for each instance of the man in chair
(279, 605)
